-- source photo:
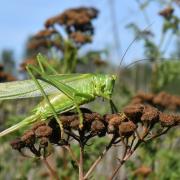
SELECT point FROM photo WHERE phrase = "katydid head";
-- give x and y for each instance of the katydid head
(104, 85)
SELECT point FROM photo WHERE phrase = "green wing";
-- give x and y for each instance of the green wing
(28, 89)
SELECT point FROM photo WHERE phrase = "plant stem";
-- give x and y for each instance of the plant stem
(72, 154)
(96, 163)
(52, 172)
(93, 166)
(128, 154)
(81, 162)
(125, 158)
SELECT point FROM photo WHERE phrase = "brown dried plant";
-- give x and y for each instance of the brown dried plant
(5, 77)
(131, 128)
(161, 100)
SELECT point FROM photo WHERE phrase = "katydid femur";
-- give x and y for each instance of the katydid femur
(61, 92)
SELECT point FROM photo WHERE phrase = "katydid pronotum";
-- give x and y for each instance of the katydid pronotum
(61, 92)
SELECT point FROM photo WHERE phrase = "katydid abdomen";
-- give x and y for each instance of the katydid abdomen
(88, 87)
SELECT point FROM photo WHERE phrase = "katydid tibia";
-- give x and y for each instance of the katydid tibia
(61, 92)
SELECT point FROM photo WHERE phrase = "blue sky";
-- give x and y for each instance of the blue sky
(21, 18)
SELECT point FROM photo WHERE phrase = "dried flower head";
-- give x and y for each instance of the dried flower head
(167, 120)
(134, 111)
(51, 21)
(89, 117)
(99, 62)
(143, 171)
(117, 119)
(98, 127)
(38, 124)
(28, 138)
(75, 124)
(17, 144)
(127, 128)
(162, 99)
(39, 43)
(137, 100)
(77, 16)
(26, 62)
(5, 77)
(77, 23)
(80, 38)
(150, 114)
(43, 131)
(145, 96)
(167, 12)
(46, 33)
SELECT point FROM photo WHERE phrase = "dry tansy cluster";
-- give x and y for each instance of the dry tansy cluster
(4, 77)
(171, 21)
(30, 61)
(161, 100)
(45, 39)
(137, 120)
(77, 24)
(167, 12)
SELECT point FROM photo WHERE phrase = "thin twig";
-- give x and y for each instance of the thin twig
(72, 154)
(81, 161)
(159, 134)
(121, 163)
(93, 166)
(52, 171)
(128, 155)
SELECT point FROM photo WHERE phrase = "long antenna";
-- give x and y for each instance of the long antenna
(129, 46)
(146, 59)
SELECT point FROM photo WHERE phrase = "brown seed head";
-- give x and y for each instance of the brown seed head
(39, 43)
(26, 62)
(162, 99)
(99, 62)
(137, 100)
(5, 77)
(37, 125)
(127, 128)
(43, 131)
(80, 38)
(75, 124)
(150, 114)
(167, 12)
(46, 33)
(89, 117)
(50, 22)
(10, 77)
(145, 96)
(17, 144)
(97, 126)
(143, 171)
(28, 138)
(117, 119)
(134, 111)
(167, 120)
